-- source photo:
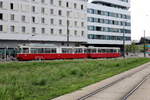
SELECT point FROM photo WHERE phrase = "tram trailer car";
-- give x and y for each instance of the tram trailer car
(27, 53)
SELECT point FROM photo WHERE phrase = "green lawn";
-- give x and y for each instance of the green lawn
(50, 79)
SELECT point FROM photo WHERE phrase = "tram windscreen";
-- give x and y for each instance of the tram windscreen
(25, 50)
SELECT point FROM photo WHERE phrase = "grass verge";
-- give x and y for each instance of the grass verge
(49, 79)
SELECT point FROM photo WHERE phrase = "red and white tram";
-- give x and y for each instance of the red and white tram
(31, 52)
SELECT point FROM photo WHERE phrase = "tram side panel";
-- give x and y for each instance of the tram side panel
(67, 53)
(103, 53)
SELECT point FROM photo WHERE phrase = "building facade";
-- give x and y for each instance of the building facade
(55, 22)
(109, 23)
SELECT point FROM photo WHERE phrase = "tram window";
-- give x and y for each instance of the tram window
(47, 50)
(34, 50)
(88, 50)
(103, 50)
(85, 51)
(66, 50)
(99, 51)
(78, 50)
(53, 50)
(25, 50)
(2, 51)
(40, 50)
(18, 50)
(114, 50)
(108, 50)
(93, 50)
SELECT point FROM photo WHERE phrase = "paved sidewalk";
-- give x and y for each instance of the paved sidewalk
(113, 93)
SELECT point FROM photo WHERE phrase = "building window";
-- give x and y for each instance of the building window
(52, 31)
(51, 21)
(1, 27)
(12, 17)
(12, 28)
(82, 24)
(33, 19)
(60, 22)
(51, 2)
(1, 4)
(23, 18)
(75, 33)
(60, 31)
(1, 16)
(82, 7)
(60, 3)
(33, 29)
(33, 8)
(43, 30)
(75, 5)
(23, 28)
(59, 12)
(75, 23)
(42, 1)
(105, 13)
(67, 4)
(51, 11)
(43, 20)
(11, 6)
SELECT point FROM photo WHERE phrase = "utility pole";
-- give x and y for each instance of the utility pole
(29, 40)
(6, 49)
(68, 34)
(68, 28)
(124, 42)
(144, 45)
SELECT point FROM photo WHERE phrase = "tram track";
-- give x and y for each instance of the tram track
(115, 82)
(126, 96)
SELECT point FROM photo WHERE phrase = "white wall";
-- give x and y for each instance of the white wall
(23, 7)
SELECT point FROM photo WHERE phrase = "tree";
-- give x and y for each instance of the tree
(133, 48)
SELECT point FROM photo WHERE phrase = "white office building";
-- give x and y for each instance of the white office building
(54, 22)
(109, 23)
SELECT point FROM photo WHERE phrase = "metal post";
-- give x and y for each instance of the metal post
(144, 45)
(67, 31)
(29, 40)
(6, 53)
(124, 42)
(68, 35)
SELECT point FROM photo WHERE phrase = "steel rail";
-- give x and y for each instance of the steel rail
(109, 85)
(135, 88)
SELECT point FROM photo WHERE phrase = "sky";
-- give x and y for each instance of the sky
(140, 18)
